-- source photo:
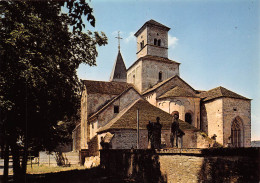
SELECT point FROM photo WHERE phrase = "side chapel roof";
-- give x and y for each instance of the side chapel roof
(119, 70)
(164, 82)
(178, 92)
(220, 92)
(127, 118)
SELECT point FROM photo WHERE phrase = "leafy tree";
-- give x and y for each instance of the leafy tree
(39, 87)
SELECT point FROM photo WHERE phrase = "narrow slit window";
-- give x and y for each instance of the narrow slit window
(155, 42)
(116, 109)
(160, 76)
(159, 42)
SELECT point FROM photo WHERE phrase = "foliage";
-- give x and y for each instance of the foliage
(39, 56)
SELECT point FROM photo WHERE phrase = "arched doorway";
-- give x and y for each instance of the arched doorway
(236, 133)
(188, 118)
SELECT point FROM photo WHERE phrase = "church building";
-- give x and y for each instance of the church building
(116, 112)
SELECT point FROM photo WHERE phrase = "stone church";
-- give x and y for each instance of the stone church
(117, 112)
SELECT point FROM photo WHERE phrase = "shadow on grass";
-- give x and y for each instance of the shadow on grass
(95, 175)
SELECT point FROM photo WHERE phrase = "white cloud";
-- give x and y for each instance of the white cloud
(130, 37)
(172, 41)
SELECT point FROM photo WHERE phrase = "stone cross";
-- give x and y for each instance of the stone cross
(118, 37)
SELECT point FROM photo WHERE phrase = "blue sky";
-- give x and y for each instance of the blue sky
(217, 42)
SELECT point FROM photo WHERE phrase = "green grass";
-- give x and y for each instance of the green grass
(41, 169)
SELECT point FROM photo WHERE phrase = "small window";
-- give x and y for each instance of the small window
(134, 79)
(188, 118)
(116, 109)
(160, 76)
(159, 42)
(155, 41)
(142, 44)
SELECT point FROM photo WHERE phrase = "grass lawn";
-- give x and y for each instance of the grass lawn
(41, 169)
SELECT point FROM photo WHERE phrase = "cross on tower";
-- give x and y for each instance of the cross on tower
(118, 37)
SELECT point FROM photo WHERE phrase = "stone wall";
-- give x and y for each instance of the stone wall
(127, 139)
(151, 69)
(217, 117)
(183, 105)
(142, 37)
(134, 76)
(212, 118)
(90, 103)
(184, 165)
(159, 34)
(240, 110)
(123, 102)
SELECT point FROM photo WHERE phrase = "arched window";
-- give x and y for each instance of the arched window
(155, 41)
(175, 112)
(134, 79)
(188, 117)
(235, 134)
(160, 76)
(159, 42)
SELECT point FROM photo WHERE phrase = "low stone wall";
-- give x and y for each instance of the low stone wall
(184, 165)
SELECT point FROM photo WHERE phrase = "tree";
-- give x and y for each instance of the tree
(39, 87)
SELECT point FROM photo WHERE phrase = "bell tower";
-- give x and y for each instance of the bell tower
(152, 39)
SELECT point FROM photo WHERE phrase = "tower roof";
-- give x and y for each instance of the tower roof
(153, 23)
(119, 70)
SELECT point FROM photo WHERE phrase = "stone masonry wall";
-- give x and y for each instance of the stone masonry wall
(151, 69)
(183, 105)
(90, 102)
(184, 165)
(212, 118)
(134, 76)
(240, 109)
(124, 101)
(127, 139)
(140, 38)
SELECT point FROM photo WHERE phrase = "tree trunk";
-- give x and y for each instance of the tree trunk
(6, 162)
(25, 158)
(16, 162)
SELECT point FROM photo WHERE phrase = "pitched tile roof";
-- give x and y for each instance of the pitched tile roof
(151, 22)
(104, 87)
(119, 70)
(220, 92)
(154, 58)
(178, 92)
(127, 119)
(164, 82)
